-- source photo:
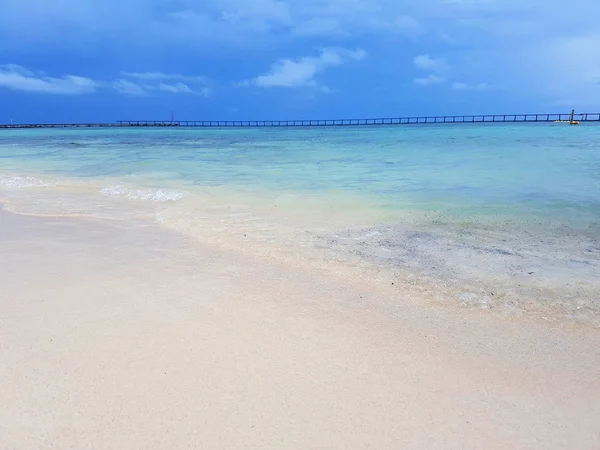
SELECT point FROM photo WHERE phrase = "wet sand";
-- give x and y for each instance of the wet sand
(120, 334)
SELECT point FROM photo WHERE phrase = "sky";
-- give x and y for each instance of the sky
(90, 60)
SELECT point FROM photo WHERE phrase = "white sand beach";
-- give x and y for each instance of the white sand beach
(121, 335)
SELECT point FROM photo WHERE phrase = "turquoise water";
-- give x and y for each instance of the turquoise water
(494, 216)
(551, 171)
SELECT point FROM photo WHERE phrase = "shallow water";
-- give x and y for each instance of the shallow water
(508, 210)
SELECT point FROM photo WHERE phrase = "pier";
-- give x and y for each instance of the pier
(413, 120)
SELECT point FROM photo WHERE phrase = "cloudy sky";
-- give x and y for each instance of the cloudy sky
(87, 60)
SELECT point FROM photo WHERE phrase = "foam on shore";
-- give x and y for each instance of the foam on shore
(550, 274)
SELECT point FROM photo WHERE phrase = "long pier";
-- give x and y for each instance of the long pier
(414, 120)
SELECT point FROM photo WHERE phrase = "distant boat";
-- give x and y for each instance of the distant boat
(571, 121)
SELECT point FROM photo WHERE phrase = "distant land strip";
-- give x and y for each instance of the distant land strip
(415, 120)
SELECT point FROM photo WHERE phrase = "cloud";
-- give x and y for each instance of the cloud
(407, 25)
(320, 26)
(163, 76)
(426, 62)
(181, 88)
(567, 68)
(458, 85)
(177, 88)
(441, 72)
(437, 66)
(525, 48)
(429, 80)
(301, 72)
(204, 24)
(129, 88)
(18, 78)
(191, 23)
(353, 19)
(249, 20)
(257, 14)
(143, 83)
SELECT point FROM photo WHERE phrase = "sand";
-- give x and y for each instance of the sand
(119, 334)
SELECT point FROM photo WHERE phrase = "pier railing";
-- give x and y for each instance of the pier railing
(487, 118)
(412, 120)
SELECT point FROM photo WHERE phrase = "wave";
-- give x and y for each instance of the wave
(17, 181)
(155, 195)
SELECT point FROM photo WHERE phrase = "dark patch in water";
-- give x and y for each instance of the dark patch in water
(419, 235)
(577, 263)
(501, 251)
(492, 250)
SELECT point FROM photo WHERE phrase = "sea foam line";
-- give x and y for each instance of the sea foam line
(18, 181)
(155, 195)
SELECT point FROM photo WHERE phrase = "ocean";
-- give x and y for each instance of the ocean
(503, 217)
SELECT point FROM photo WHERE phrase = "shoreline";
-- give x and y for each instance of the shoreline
(140, 336)
(482, 265)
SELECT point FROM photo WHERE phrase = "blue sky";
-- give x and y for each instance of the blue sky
(91, 60)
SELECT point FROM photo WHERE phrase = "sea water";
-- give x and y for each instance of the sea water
(510, 208)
